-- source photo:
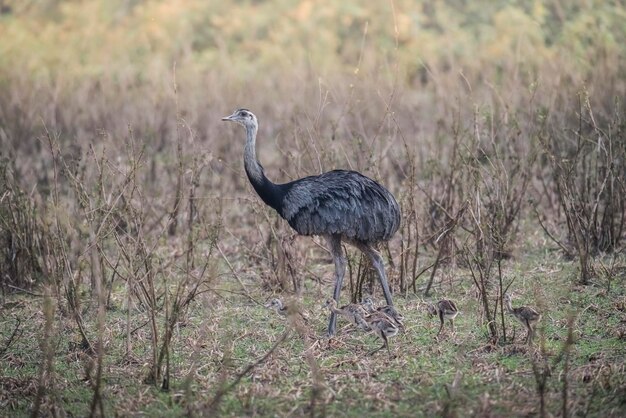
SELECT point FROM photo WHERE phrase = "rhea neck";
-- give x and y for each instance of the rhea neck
(332, 305)
(270, 193)
(509, 307)
(278, 306)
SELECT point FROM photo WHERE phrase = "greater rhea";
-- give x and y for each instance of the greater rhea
(526, 315)
(351, 312)
(284, 310)
(382, 325)
(444, 309)
(278, 306)
(339, 205)
(388, 310)
(377, 322)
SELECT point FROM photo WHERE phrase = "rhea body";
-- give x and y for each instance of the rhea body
(284, 310)
(444, 309)
(384, 328)
(278, 306)
(526, 315)
(378, 322)
(351, 312)
(388, 310)
(339, 205)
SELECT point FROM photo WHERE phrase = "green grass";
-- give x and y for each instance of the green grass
(221, 336)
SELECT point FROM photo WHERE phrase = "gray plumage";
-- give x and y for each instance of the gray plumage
(444, 309)
(352, 312)
(342, 202)
(525, 315)
(278, 306)
(338, 205)
(390, 311)
(284, 311)
(380, 324)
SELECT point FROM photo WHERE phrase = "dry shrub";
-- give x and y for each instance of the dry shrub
(22, 233)
(589, 172)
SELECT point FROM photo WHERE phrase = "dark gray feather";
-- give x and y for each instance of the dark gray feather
(341, 202)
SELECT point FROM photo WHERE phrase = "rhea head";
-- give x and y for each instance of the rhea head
(243, 117)
(330, 303)
(275, 304)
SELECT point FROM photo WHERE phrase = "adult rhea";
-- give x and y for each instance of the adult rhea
(339, 205)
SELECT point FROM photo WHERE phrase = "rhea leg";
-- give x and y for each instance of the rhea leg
(334, 242)
(385, 344)
(442, 323)
(379, 265)
(529, 337)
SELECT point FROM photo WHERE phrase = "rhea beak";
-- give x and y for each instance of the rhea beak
(229, 118)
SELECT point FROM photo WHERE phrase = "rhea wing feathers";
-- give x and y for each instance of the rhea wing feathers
(341, 202)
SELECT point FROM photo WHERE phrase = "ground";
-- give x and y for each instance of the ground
(457, 374)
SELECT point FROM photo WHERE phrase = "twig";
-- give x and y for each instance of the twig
(223, 391)
(552, 237)
(232, 269)
(12, 337)
(39, 295)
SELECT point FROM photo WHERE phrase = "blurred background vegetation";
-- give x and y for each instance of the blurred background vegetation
(137, 41)
(83, 67)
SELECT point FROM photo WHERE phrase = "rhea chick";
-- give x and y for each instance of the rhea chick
(283, 310)
(278, 306)
(526, 315)
(351, 312)
(382, 325)
(444, 309)
(389, 310)
(377, 322)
